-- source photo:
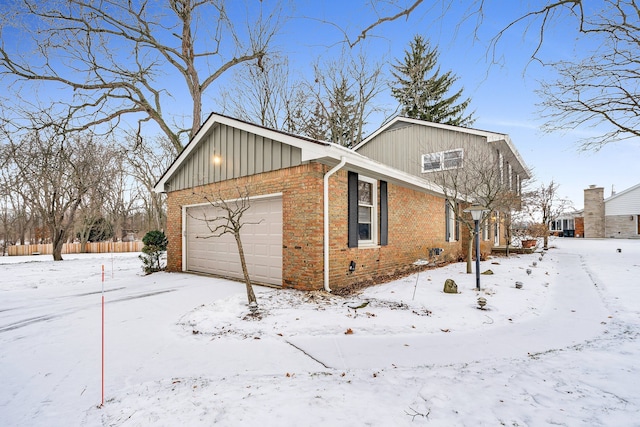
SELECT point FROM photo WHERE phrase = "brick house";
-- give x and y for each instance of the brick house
(320, 216)
(424, 149)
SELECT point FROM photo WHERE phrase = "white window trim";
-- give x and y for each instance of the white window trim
(452, 224)
(441, 155)
(374, 214)
(485, 229)
(496, 230)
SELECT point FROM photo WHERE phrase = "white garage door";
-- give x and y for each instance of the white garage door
(261, 241)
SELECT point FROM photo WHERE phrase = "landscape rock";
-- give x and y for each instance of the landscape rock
(450, 287)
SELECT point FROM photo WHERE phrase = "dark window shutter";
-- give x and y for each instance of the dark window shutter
(352, 194)
(384, 215)
(457, 227)
(446, 221)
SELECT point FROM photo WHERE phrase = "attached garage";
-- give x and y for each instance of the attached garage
(261, 241)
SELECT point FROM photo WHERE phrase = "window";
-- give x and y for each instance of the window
(452, 159)
(367, 212)
(442, 161)
(367, 207)
(452, 228)
(431, 162)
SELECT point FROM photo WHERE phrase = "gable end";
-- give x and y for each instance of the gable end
(227, 153)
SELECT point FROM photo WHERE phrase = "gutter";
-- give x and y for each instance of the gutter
(343, 161)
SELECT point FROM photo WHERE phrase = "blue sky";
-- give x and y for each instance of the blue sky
(503, 95)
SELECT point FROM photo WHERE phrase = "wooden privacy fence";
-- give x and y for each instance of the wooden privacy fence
(74, 248)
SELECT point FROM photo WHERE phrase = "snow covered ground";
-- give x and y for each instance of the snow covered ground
(182, 350)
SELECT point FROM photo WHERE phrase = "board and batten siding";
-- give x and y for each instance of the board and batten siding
(239, 153)
(624, 203)
(402, 147)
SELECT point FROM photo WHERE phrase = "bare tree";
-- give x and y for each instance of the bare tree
(14, 215)
(344, 91)
(335, 106)
(386, 11)
(600, 89)
(121, 201)
(478, 178)
(53, 173)
(230, 221)
(148, 159)
(268, 95)
(597, 89)
(544, 205)
(91, 212)
(115, 58)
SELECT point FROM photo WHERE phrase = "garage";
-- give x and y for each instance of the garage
(261, 241)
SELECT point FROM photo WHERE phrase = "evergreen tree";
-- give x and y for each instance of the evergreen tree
(317, 126)
(155, 244)
(335, 118)
(342, 117)
(422, 91)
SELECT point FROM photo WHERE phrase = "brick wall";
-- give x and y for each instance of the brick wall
(416, 224)
(579, 225)
(301, 189)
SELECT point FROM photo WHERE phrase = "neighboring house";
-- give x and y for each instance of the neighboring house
(423, 148)
(617, 216)
(569, 224)
(321, 215)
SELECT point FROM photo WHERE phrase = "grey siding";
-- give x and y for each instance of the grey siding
(403, 146)
(240, 153)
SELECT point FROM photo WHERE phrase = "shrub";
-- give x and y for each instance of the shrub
(155, 244)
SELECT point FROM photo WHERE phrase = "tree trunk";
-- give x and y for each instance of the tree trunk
(470, 252)
(57, 241)
(251, 297)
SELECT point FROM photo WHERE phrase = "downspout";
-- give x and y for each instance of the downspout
(343, 161)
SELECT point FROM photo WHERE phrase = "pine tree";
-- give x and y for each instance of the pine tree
(342, 115)
(317, 126)
(422, 90)
(336, 117)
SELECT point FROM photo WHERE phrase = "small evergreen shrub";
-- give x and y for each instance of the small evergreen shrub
(155, 244)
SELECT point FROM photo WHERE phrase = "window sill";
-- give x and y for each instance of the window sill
(368, 246)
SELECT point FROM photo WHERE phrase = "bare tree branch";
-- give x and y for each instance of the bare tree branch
(403, 13)
(115, 58)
